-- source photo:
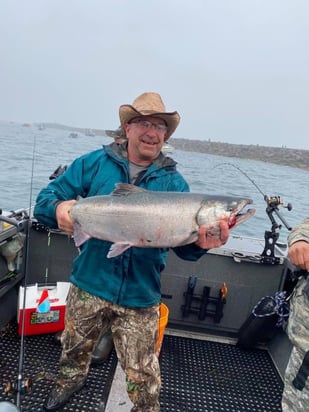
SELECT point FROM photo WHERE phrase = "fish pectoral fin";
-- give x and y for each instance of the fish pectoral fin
(118, 248)
(79, 236)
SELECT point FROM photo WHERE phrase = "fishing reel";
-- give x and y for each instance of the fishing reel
(272, 207)
(274, 201)
(271, 237)
(58, 172)
(12, 387)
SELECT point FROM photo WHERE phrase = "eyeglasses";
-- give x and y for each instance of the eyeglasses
(147, 125)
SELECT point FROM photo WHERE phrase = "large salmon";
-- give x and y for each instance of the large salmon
(131, 216)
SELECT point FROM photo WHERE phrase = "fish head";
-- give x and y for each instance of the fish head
(233, 210)
(239, 212)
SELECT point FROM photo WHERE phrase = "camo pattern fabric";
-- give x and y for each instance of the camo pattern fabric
(300, 232)
(135, 334)
(294, 400)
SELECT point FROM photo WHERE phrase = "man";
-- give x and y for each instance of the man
(122, 292)
(296, 382)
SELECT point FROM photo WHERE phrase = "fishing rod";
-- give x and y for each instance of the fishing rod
(22, 385)
(25, 385)
(273, 202)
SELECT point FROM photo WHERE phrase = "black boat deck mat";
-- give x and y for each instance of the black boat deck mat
(41, 361)
(199, 376)
(204, 376)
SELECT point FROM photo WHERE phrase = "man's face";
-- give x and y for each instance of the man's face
(145, 139)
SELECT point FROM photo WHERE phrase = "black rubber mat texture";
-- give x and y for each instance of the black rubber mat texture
(208, 376)
(199, 376)
(41, 364)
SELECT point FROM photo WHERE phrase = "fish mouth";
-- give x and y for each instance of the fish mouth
(241, 214)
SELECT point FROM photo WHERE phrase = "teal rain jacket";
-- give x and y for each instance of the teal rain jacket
(132, 279)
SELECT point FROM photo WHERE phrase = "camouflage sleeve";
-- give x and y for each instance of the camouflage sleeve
(300, 232)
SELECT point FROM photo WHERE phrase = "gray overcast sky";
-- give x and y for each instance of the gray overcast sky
(236, 70)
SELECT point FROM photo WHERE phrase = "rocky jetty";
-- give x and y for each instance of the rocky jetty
(278, 155)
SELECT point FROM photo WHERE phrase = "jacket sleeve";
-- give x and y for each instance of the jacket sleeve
(300, 232)
(190, 252)
(68, 186)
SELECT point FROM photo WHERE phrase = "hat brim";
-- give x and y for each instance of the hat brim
(128, 112)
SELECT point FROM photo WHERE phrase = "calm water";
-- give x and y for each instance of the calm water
(29, 156)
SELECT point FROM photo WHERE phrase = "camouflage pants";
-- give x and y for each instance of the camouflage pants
(294, 400)
(135, 334)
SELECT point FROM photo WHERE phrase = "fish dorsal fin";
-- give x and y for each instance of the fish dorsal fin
(125, 189)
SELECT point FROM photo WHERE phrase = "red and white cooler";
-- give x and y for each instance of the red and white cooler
(44, 308)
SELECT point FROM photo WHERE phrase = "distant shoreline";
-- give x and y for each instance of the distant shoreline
(278, 155)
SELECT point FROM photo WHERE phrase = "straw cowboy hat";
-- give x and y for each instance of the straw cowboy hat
(149, 104)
